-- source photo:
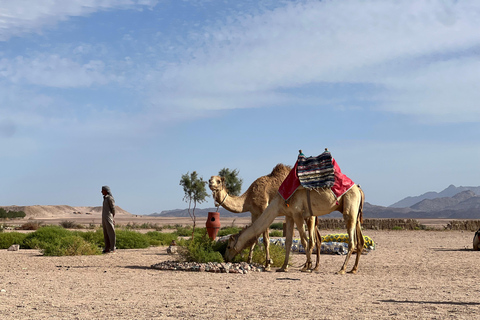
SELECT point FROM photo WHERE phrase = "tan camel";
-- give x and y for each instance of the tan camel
(322, 202)
(256, 199)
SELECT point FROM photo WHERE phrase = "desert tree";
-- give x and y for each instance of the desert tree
(232, 182)
(195, 192)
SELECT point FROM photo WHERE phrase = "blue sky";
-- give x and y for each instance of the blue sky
(135, 93)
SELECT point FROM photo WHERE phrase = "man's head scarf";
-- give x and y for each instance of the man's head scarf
(107, 189)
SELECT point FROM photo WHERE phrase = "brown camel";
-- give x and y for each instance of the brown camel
(322, 202)
(256, 199)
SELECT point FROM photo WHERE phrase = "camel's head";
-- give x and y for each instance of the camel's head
(216, 183)
(231, 252)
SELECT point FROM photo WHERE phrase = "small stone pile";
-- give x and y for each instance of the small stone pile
(215, 267)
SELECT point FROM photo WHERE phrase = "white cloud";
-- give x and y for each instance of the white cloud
(24, 16)
(53, 71)
(331, 41)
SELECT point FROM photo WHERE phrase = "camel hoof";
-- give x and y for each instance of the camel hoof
(268, 268)
(306, 270)
(353, 271)
(341, 272)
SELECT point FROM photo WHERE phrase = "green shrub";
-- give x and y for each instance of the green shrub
(397, 228)
(276, 233)
(277, 226)
(199, 249)
(9, 238)
(277, 254)
(71, 245)
(95, 237)
(156, 238)
(43, 236)
(228, 230)
(131, 240)
(11, 214)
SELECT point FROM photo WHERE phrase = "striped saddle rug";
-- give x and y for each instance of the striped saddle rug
(316, 172)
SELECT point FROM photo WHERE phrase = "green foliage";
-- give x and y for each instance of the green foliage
(70, 245)
(160, 239)
(43, 236)
(277, 226)
(195, 192)
(184, 231)
(131, 240)
(232, 182)
(9, 238)
(11, 214)
(228, 230)
(276, 233)
(70, 225)
(199, 249)
(277, 254)
(94, 237)
(397, 228)
(193, 187)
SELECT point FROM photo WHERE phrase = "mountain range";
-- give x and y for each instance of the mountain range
(451, 203)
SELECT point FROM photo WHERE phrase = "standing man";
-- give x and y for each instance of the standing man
(108, 224)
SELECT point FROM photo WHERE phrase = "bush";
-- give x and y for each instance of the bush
(70, 225)
(131, 240)
(11, 214)
(277, 254)
(31, 225)
(276, 233)
(71, 245)
(228, 230)
(277, 226)
(199, 249)
(9, 238)
(95, 237)
(43, 236)
(160, 239)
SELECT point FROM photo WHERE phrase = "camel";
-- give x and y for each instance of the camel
(256, 199)
(322, 202)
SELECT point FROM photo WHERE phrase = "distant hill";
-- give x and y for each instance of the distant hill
(38, 211)
(448, 192)
(463, 205)
(199, 213)
(451, 203)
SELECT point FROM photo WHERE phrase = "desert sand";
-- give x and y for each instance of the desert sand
(410, 275)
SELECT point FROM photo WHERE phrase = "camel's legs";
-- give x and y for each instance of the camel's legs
(250, 254)
(319, 245)
(288, 242)
(266, 244)
(360, 244)
(299, 221)
(311, 226)
(350, 222)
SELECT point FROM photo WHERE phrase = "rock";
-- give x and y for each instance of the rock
(14, 247)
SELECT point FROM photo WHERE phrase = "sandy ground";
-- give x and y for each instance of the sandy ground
(410, 275)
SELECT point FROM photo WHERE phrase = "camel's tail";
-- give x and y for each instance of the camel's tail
(362, 202)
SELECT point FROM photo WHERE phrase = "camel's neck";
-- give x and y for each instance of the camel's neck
(262, 223)
(232, 203)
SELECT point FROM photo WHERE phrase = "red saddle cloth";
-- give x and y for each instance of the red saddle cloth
(291, 183)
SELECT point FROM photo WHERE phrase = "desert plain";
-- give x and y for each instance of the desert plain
(410, 275)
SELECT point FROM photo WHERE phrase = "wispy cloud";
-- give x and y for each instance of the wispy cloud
(23, 16)
(251, 60)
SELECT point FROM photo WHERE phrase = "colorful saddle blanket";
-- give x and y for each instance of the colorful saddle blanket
(316, 172)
